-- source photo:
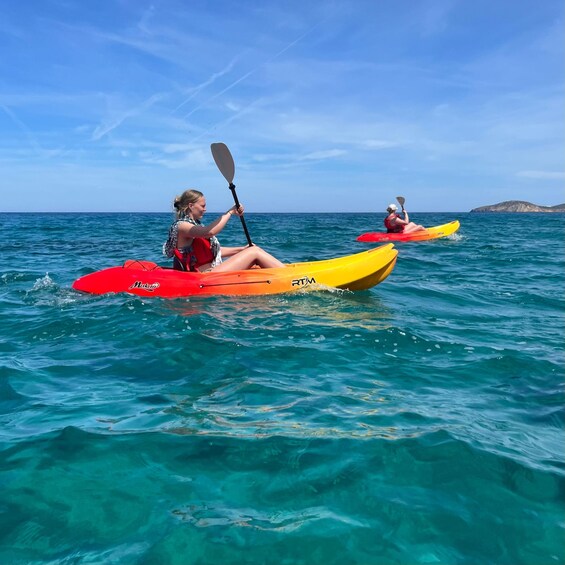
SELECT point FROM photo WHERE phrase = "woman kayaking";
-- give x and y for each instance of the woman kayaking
(195, 246)
(394, 223)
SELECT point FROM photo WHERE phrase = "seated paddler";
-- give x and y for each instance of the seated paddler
(195, 247)
(395, 223)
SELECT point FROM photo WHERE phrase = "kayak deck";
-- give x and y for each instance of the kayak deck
(145, 278)
(423, 235)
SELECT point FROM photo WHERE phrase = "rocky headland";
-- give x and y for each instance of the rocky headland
(519, 206)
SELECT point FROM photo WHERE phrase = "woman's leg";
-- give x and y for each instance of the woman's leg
(247, 258)
(412, 227)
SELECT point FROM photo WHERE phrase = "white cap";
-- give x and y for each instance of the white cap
(392, 207)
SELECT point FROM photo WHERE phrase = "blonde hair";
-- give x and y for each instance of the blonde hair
(181, 202)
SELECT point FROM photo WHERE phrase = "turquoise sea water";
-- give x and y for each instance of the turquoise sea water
(421, 421)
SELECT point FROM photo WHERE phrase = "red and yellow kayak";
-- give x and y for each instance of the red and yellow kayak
(145, 278)
(422, 235)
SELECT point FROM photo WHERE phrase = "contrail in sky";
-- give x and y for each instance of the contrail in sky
(291, 44)
(243, 111)
(200, 87)
(104, 129)
(30, 137)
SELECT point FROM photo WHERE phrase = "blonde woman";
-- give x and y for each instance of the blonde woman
(195, 246)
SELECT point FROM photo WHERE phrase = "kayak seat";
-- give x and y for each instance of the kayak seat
(179, 262)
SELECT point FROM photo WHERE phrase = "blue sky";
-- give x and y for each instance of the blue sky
(329, 105)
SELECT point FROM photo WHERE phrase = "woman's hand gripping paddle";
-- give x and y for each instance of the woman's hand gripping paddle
(225, 164)
(401, 201)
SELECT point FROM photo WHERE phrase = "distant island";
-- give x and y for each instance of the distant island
(519, 206)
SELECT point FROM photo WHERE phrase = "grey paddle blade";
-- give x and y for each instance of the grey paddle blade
(224, 160)
(401, 200)
(225, 163)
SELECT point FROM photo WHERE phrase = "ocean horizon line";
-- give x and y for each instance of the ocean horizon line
(36, 212)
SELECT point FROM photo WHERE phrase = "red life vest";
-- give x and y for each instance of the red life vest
(199, 253)
(393, 228)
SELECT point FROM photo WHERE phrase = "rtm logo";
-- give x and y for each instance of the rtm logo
(149, 287)
(304, 281)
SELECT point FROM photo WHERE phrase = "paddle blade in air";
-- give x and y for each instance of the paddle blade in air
(224, 160)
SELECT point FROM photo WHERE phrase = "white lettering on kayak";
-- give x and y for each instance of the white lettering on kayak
(304, 281)
(149, 287)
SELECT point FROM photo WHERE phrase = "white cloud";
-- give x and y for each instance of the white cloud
(321, 155)
(544, 175)
(379, 144)
(198, 159)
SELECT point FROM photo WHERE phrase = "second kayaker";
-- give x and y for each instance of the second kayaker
(394, 223)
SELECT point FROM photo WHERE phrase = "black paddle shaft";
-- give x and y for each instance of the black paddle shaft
(226, 165)
(235, 199)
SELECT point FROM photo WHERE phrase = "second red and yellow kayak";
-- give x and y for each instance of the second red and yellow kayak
(422, 235)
